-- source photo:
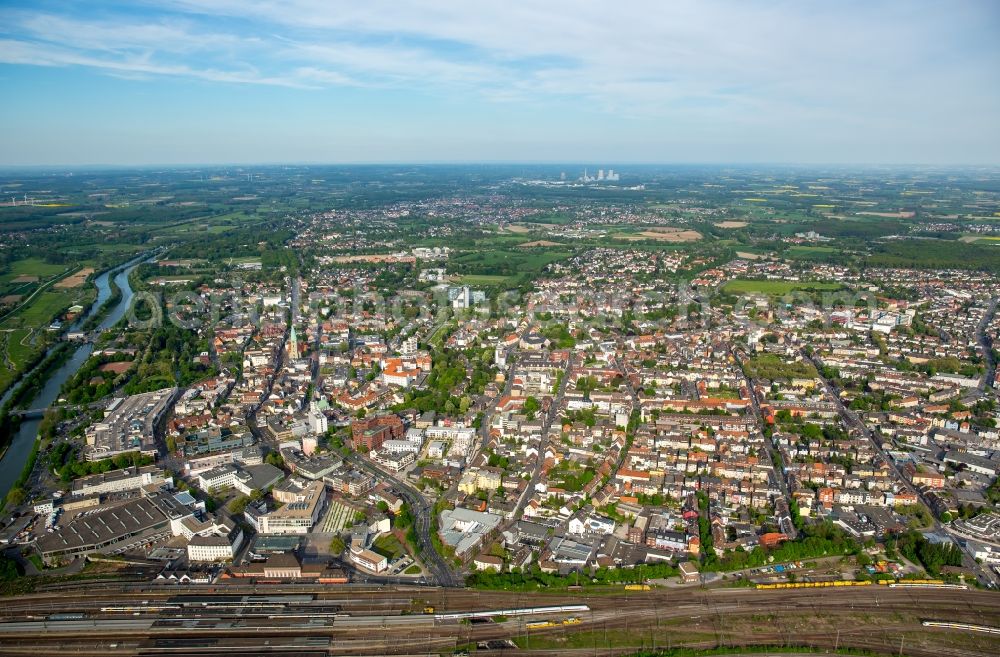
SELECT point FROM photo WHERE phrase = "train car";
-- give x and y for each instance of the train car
(968, 627)
(812, 585)
(539, 625)
(520, 611)
(638, 587)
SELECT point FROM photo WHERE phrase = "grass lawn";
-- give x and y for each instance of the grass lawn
(388, 546)
(739, 286)
(484, 279)
(16, 352)
(37, 560)
(772, 366)
(412, 570)
(437, 337)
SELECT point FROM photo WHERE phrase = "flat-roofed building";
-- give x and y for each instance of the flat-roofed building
(221, 545)
(296, 517)
(128, 425)
(369, 560)
(107, 530)
(118, 481)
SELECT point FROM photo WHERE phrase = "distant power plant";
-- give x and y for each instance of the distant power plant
(610, 176)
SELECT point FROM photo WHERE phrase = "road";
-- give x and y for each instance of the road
(553, 410)
(484, 427)
(783, 518)
(987, 345)
(441, 573)
(251, 416)
(634, 394)
(984, 574)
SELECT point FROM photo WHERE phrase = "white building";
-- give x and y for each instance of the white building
(118, 481)
(215, 547)
(317, 422)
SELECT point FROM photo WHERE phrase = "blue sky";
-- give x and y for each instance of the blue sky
(220, 81)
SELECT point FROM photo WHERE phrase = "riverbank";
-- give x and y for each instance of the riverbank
(21, 433)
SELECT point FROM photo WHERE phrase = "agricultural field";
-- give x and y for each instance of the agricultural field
(660, 233)
(31, 267)
(743, 286)
(76, 279)
(47, 306)
(519, 266)
(811, 252)
(982, 239)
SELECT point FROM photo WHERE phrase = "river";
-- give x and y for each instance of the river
(20, 447)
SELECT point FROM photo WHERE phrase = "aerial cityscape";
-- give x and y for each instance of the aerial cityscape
(438, 396)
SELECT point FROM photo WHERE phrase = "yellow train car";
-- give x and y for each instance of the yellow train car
(538, 625)
(813, 585)
(638, 587)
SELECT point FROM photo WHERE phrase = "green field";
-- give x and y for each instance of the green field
(18, 353)
(484, 279)
(810, 250)
(14, 355)
(741, 286)
(41, 311)
(32, 267)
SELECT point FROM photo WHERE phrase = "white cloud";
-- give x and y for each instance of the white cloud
(895, 67)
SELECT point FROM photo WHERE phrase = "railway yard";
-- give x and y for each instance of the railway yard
(301, 620)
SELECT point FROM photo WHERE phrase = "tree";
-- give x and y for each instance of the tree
(275, 459)
(238, 505)
(531, 407)
(16, 496)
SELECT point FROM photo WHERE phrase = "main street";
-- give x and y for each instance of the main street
(550, 415)
(986, 344)
(784, 519)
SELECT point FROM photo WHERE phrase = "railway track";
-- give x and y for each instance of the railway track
(653, 617)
